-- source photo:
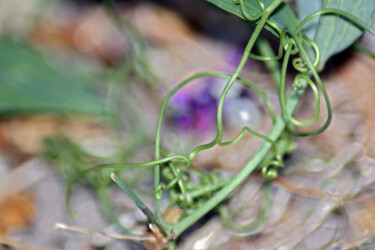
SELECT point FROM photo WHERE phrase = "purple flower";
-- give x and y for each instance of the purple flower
(194, 109)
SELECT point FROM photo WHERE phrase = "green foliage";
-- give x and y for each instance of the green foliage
(172, 171)
(341, 30)
(304, 9)
(70, 160)
(283, 16)
(333, 33)
(28, 83)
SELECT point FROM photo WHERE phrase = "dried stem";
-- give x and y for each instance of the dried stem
(62, 226)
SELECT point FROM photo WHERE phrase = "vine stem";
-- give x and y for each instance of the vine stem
(244, 173)
(264, 48)
(267, 12)
(262, 151)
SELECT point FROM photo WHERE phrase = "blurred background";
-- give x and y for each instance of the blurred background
(81, 85)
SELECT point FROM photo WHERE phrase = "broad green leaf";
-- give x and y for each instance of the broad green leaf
(284, 15)
(28, 83)
(334, 34)
(305, 8)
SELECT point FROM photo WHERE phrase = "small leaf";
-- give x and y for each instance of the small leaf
(284, 15)
(334, 33)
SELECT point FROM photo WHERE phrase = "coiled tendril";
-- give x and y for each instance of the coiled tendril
(211, 189)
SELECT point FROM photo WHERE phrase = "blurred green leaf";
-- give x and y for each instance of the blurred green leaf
(283, 16)
(28, 83)
(305, 8)
(70, 160)
(333, 33)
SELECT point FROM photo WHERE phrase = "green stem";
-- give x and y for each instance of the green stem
(142, 206)
(212, 188)
(260, 218)
(115, 89)
(262, 151)
(273, 66)
(157, 152)
(138, 57)
(277, 130)
(355, 20)
(172, 245)
(182, 187)
(314, 73)
(249, 46)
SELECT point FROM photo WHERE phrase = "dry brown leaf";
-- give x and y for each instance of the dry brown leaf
(27, 134)
(159, 24)
(171, 216)
(16, 211)
(300, 188)
(357, 73)
(89, 31)
(366, 218)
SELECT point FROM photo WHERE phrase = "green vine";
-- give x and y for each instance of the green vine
(197, 199)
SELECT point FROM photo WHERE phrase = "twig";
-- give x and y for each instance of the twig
(59, 225)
